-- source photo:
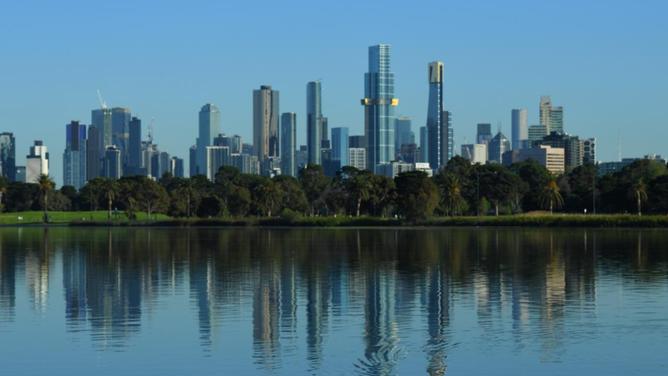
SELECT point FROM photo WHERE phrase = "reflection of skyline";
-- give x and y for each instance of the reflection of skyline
(293, 284)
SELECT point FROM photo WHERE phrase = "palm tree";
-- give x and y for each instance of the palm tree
(45, 184)
(110, 189)
(639, 193)
(451, 195)
(550, 197)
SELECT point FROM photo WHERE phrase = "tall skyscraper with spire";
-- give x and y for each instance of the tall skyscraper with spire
(314, 121)
(379, 103)
(435, 122)
(209, 127)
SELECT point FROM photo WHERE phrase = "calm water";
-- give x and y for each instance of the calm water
(321, 301)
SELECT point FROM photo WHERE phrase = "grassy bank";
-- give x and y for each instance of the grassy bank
(99, 218)
(60, 217)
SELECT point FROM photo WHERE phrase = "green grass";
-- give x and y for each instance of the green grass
(99, 218)
(60, 217)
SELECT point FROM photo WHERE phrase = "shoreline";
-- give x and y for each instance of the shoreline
(519, 220)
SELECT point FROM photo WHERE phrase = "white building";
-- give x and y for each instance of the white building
(37, 162)
(357, 158)
(216, 157)
(476, 153)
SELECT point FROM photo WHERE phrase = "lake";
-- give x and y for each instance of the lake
(409, 301)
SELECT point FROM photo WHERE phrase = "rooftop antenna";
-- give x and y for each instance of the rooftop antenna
(103, 104)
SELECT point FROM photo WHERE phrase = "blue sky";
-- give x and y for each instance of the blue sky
(604, 61)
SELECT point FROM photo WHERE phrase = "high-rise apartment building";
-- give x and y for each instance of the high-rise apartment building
(74, 156)
(216, 157)
(176, 167)
(357, 158)
(379, 103)
(314, 121)
(192, 161)
(498, 145)
(436, 130)
(340, 146)
(483, 133)
(288, 143)
(552, 118)
(120, 122)
(520, 128)
(101, 120)
(93, 154)
(424, 145)
(265, 123)
(209, 127)
(447, 138)
(8, 156)
(37, 162)
(112, 166)
(133, 149)
(589, 151)
(403, 132)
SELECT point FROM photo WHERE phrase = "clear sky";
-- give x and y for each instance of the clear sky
(605, 61)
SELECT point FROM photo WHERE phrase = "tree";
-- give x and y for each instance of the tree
(110, 189)
(550, 196)
(292, 196)
(3, 189)
(46, 185)
(639, 193)
(417, 195)
(266, 196)
(314, 183)
(534, 177)
(358, 184)
(498, 185)
(452, 202)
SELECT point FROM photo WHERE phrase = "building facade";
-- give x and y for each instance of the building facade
(357, 158)
(74, 156)
(37, 162)
(8, 156)
(498, 145)
(288, 143)
(209, 127)
(265, 123)
(314, 121)
(520, 128)
(435, 123)
(340, 146)
(379, 103)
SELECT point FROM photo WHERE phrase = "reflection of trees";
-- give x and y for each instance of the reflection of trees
(277, 277)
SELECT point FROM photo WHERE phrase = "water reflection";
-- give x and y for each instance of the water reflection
(301, 289)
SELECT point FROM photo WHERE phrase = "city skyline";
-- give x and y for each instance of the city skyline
(485, 79)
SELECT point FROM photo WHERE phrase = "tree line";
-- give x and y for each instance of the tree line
(459, 188)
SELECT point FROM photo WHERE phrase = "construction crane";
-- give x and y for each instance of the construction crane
(103, 104)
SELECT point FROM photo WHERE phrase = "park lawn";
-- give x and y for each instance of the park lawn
(36, 217)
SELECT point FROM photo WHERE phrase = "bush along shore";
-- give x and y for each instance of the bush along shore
(459, 194)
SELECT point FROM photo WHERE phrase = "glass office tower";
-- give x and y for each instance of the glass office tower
(379, 103)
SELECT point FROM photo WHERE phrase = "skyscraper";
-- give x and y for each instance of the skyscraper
(288, 143)
(498, 145)
(101, 119)
(520, 128)
(134, 148)
(403, 133)
(209, 127)
(8, 156)
(192, 163)
(434, 115)
(484, 133)
(74, 156)
(120, 121)
(379, 103)
(551, 117)
(37, 162)
(314, 121)
(424, 145)
(93, 154)
(340, 145)
(176, 167)
(113, 167)
(589, 151)
(447, 138)
(265, 123)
